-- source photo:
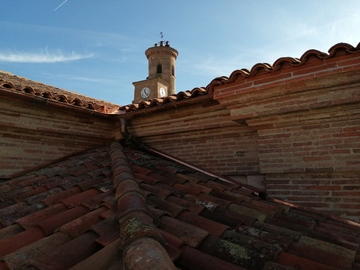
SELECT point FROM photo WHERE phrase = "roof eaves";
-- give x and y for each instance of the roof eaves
(49, 99)
(22, 85)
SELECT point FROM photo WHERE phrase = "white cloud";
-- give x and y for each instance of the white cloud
(43, 56)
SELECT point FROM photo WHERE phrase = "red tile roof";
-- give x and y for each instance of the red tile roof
(117, 207)
(11, 84)
(336, 50)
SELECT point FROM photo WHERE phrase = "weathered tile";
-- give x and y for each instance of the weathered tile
(21, 258)
(75, 200)
(192, 258)
(300, 263)
(326, 246)
(188, 205)
(50, 224)
(190, 234)
(265, 250)
(172, 208)
(214, 228)
(248, 212)
(321, 255)
(69, 254)
(83, 223)
(19, 240)
(232, 252)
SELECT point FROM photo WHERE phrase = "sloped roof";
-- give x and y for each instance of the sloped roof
(115, 207)
(14, 84)
(259, 68)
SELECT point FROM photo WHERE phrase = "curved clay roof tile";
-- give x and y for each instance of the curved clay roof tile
(312, 53)
(239, 73)
(8, 85)
(169, 99)
(29, 90)
(279, 63)
(38, 93)
(144, 104)
(77, 102)
(183, 95)
(198, 91)
(217, 81)
(342, 47)
(260, 68)
(155, 102)
(62, 98)
(48, 95)
(90, 106)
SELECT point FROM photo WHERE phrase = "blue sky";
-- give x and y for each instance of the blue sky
(96, 48)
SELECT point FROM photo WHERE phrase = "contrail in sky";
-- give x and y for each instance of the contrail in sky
(60, 5)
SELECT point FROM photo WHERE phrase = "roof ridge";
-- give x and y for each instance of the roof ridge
(135, 218)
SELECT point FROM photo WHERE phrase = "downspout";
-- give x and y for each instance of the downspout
(128, 137)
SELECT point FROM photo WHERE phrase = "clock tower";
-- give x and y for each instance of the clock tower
(161, 79)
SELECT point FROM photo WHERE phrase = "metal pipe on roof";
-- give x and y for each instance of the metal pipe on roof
(128, 137)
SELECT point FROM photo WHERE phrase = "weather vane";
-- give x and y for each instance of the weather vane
(162, 41)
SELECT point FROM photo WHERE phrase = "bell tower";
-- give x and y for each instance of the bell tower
(161, 78)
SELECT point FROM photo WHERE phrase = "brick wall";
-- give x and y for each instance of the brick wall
(314, 159)
(33, 134)
(307, 120)
(203, 135)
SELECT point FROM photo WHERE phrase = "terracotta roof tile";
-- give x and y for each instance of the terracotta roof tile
(297, 262)
(36, 217)
(266, 237)
(83, 223)
(147, 252)
(68, 254)
(158, 191)
(167, 206)
(232, 252)
(214, 228)
(107, 258)
(260, 216)
(10, 230)
(57, 197)
(188, 205)
(171, 239)
(218, 200)
(195, 259)
(259, 68)
(21, 258)
(23, 86)
(74, 200)
(319, 255)
(50, 224)
(20, 240)
(190, 234)
(109, 216)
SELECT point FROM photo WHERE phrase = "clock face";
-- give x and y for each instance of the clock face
(162, 92)
(145, 92)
